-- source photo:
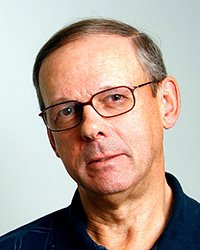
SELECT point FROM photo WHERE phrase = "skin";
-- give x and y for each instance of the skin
(118, 162)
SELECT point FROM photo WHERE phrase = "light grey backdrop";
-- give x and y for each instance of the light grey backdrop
(33, 181)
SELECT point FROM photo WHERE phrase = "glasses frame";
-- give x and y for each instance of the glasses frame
(132, 89)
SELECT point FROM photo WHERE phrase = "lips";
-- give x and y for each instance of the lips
(103, 159)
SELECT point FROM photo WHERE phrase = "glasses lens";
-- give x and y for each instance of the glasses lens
(114, 101)
(63, 116)
(108, 103)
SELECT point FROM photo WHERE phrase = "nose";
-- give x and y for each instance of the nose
(93, 126)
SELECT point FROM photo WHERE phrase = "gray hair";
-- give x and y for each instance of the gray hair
(147, 51)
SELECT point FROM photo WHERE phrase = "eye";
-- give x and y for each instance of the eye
(67, 111)
(115, 97)
(70, 110)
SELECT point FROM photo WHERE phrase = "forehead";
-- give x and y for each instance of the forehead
(88, 65)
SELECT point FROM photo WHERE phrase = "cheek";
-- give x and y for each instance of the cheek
(141, 131)
(67, 148)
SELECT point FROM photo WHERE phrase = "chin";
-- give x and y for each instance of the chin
(108, 182)
(108, 187)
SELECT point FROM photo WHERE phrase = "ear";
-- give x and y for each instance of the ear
(52, 142)
(170, 102)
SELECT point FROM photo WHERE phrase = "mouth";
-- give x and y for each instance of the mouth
(104, 160)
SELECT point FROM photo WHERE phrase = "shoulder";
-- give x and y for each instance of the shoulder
(182, 202)
(183, 229)
(37, 231)
(192, 214)
(188, 224)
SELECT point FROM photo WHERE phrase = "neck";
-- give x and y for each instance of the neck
(120, 219)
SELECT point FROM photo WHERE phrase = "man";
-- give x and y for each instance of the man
(105, 98)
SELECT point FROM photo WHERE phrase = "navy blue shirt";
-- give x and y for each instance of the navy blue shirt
(66, 229)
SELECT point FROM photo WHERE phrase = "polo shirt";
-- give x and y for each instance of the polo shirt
(66, 229)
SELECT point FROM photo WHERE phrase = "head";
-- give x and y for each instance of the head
(108, 154)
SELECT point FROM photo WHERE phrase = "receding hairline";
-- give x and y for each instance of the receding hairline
(83, 37)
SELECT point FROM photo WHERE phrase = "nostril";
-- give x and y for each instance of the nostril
(91, 135)
(101, 133)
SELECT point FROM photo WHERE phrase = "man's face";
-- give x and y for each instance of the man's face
(104, 155)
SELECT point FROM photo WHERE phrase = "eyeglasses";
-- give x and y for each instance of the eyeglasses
(107, 103)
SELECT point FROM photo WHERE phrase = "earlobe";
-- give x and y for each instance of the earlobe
(170, 102)
(52, 142)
